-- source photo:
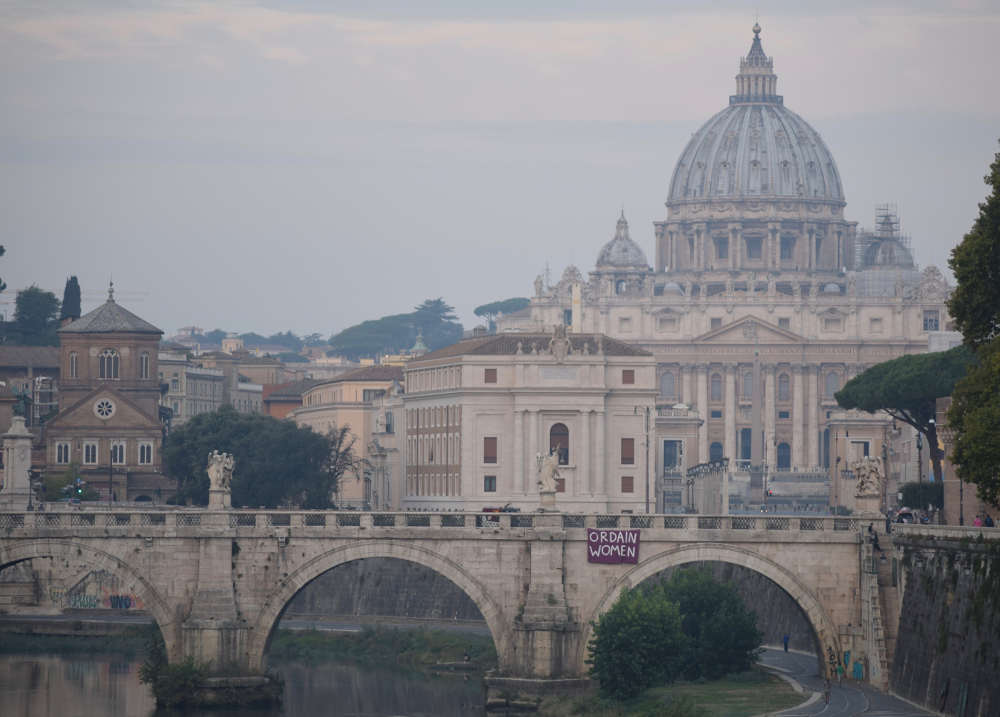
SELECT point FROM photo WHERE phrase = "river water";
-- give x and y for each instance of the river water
(73, 685)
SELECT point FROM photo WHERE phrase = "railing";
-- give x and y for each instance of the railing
(190, 523)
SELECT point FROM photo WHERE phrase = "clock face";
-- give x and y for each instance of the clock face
(104, 408)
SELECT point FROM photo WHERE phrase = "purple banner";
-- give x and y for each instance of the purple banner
(612, 546)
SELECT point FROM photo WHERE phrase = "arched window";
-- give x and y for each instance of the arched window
(784, 391)
(784, 456)
(620, 287)
(559, 442)
(715, 452)
(832, 384)
(716, 387)
(73, 370)
(748, 384)
(668, 385)
(109, 363)
(144, 365)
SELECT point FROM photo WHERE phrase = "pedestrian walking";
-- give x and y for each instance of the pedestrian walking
(840, 674)
(784, 641)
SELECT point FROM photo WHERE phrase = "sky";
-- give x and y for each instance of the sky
(307, 165)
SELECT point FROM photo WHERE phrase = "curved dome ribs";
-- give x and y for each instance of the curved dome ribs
(756, 147)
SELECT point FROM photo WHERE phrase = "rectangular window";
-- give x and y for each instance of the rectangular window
(784, 323)
(716, 414)
(658, 290)
(628, 451)
(628, 484)
(667, 323)
(145, 454)
(787, 248)
(90, 454)
(560, 485)
(568, 317)
(721, 248)
(489, 484)
(625, 325)
(833, 324)
(72, 365)
(753, 247)
(931, 322)
(390, 425)
(490, 449)
(144, 365)
(489, 375)
(628, 376)
(118, 453)
(875, 326)
(784, 415)
(62, 453)
(716, 323)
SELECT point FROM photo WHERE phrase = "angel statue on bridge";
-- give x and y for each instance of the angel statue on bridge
(548, 471)
(220, 470)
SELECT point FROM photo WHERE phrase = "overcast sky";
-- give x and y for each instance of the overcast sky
(308, 165)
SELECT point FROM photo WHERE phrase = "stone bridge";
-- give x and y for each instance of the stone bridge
(217, 581)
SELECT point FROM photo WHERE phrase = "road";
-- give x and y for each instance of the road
(845, 701)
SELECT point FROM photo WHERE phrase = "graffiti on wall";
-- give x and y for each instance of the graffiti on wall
(99, 589)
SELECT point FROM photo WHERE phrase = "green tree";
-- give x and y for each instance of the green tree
(720, 633)
(638, 643)
(491, 311)
(287, 339)
(36, 317)
(277, 462)
(3, 286)
(396, 333)
(975, 417)
(975, 302)
(71, 300)
(214, 336)
(907, 388)
(920, 495)
(975, 305)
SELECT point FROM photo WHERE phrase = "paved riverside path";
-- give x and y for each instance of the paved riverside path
(845, 701)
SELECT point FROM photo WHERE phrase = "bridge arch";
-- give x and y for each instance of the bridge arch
(816, 614)
(97, 559)
(279, 599)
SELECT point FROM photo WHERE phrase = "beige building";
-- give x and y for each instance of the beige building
(756, 273)
(480, 412)
(108, 424)
(365, 401)
(191, 389)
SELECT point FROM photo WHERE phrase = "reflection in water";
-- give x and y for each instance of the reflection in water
(74, 686)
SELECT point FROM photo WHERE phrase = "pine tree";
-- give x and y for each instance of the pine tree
(71, 300)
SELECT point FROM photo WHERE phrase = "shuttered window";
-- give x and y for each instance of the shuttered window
(628, 451)
(490, 449)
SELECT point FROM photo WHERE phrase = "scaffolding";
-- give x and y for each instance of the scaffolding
(885, 245)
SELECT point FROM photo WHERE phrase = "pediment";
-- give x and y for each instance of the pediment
(82, 414)
(749, 330)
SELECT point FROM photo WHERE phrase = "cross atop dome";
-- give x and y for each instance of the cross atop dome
(756, 81)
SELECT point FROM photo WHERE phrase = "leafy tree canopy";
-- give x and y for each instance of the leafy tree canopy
(277, 462)
(434, 318)
(975, 303)
(907, 388)
(921, 495)
(36, 317)
(314, 340)
(71, 300)
(690, 625)
(507, 306)
(497, 308)
(975, 417)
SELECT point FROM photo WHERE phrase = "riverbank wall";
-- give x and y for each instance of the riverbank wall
(947, 655)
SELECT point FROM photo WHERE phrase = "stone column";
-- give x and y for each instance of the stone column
(769, 396)
(686, 396)
(16, 491)
(729, 441)
(811, 238)
(704, 413)
(813, 398)
(600, 463)
(798, 405)
(586, 483)
(532, 451)
(519, 480)
(734, 248)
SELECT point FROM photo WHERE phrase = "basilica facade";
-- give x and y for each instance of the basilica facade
(762, 302)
